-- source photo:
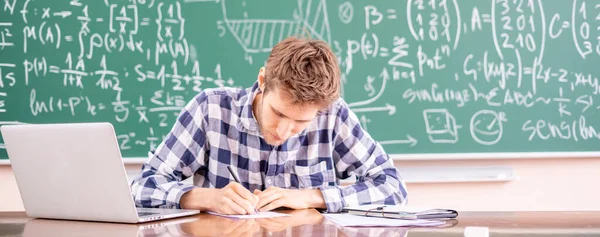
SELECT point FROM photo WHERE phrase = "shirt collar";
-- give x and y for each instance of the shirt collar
(247, 119)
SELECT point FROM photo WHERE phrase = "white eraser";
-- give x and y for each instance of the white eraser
(476, 231)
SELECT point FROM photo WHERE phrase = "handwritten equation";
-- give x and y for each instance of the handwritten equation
(70, 68)
(493, 86)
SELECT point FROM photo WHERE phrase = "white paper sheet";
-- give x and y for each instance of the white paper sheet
(363, 221)
(266, 214)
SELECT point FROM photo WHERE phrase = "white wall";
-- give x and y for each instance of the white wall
(10, 200)
(541, 184)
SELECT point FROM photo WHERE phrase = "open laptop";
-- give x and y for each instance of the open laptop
(74, 171)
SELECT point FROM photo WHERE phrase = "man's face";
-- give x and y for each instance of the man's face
(278, 119)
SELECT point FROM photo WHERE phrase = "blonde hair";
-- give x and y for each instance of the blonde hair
(305, 70)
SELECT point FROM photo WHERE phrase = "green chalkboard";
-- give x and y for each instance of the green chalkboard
(439, 76)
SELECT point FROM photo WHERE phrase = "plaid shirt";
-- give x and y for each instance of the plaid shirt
(217, 128)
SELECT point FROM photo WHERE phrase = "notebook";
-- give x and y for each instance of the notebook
(401, 212)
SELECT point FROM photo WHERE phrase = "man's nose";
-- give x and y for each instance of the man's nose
(284, 129)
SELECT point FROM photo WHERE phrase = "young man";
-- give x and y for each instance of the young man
(289, 138)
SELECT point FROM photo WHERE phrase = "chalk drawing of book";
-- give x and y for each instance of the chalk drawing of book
(260, 35)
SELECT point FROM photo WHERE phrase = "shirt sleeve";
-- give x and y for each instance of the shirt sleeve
(356, 153)
(177, 157)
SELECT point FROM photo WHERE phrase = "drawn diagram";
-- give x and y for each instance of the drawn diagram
(385, 76)
(260, 35)
(409, 140)
(441, 126)
(486, 126)
(391, 109)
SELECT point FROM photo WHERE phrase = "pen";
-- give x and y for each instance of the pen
(237, 180)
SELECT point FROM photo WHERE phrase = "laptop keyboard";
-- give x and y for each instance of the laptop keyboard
(147, 213)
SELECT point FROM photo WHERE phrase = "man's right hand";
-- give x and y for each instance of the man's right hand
(231, 199)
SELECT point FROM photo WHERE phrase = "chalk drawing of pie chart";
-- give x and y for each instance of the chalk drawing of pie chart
(486, 127)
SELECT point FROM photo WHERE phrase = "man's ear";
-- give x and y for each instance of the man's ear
(261, 79)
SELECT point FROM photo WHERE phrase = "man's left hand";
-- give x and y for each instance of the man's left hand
(274, 197)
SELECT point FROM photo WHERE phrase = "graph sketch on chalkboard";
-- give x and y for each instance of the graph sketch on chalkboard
(260, 35)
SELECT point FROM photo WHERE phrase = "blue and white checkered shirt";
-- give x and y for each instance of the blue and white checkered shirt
(217, 128)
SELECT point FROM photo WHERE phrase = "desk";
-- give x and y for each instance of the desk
(309, 223)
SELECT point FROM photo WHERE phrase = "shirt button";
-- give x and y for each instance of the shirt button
(269, 181)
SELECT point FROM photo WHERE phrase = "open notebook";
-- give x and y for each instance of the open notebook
(401, 212)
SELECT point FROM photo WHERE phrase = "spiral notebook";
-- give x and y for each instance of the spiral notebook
(402, 212)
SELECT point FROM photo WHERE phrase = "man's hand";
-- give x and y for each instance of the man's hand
(275, 197)
(231, 199)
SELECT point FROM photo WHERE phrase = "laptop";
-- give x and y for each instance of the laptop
(74, 171)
